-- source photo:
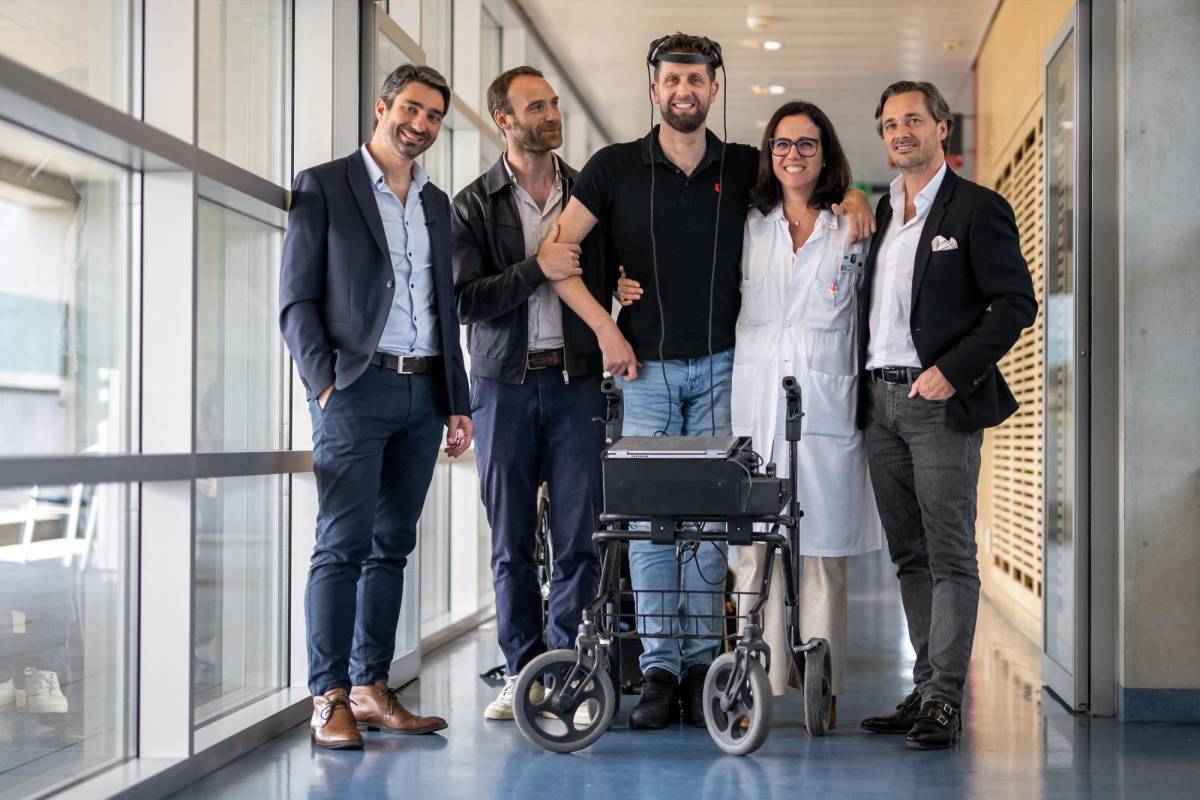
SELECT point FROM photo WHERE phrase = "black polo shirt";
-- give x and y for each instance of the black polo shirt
(615, 187)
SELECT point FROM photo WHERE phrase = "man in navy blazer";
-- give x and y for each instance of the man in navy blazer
(366, 299)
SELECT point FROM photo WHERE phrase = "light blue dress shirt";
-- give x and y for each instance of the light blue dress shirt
(412, 322)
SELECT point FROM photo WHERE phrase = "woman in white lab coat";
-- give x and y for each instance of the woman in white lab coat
(800, 282)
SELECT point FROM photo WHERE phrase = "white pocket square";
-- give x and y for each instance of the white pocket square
(942, 243)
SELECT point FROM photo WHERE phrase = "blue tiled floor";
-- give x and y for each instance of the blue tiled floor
(1019, 743)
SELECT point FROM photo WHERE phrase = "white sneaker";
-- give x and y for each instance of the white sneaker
(42, 692)
(502, 706)
(8, 693)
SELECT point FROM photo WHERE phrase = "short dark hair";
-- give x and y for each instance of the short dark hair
(835, 172)
(497, 93)
(939, 109)
(683, 43)
(405, 74)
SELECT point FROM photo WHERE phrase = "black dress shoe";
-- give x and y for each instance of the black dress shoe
(691, 695)
(937, 727)
(659, 706)
(901, 721)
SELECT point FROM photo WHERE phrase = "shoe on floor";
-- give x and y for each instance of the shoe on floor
(502, 706)
(333, 724)
(42, 692)
(691, 695)
(659, 706)
(900, 721)
(938, 726)
(377, 707)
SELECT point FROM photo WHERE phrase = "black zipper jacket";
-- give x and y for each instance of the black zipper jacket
(493, 280)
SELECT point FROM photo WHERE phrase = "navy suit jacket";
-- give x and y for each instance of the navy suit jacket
(336, 283)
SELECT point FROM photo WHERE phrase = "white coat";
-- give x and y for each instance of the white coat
(798, 318)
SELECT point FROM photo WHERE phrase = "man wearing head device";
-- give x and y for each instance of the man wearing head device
(675, 204)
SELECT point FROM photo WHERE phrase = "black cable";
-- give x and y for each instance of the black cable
(662, 320)
(712, 277)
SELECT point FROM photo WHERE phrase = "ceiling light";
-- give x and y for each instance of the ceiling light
(757, 19)
(776, 89)
(753, 44)
(760, 89)
(771, 44)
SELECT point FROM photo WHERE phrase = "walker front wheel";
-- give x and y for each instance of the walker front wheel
(558, 707)
(743, 727)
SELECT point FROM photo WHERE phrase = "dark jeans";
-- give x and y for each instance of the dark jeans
(374, 448)
(925, 477)
(521, 430)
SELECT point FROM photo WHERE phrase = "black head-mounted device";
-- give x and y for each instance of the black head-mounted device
(711, 54)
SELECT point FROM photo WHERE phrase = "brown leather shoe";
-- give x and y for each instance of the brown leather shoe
(333, 724)
(376, 707)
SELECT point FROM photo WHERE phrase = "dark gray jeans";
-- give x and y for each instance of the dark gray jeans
(925, 477)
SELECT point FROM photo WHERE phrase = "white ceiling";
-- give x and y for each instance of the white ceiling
(839, 54)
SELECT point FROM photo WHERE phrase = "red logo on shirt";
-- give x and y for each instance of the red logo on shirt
(717, 187)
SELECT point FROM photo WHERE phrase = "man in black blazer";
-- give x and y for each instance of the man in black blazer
(366, 296)
(946, 295)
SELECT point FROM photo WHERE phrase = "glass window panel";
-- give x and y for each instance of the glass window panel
(239, 589)
(437, 36)
(1060, 411)
(82, 43)
(243, 83)
(64, 289)
(491, 57)
(438, 160)
(64, 667)
(433, 550)
(240, 367)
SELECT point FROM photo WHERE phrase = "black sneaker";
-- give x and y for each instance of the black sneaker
(659, 706)
(691, 695)
(938, 726)
(901, 721)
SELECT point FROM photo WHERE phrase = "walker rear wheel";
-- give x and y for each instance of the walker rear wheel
(818, 690)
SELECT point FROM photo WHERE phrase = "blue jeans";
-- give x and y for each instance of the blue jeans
(375, 445)
(655, 570)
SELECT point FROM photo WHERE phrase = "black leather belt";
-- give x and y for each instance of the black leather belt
(904, 375)
(405, 365)
(540, 359)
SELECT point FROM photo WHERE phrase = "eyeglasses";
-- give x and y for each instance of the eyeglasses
(805, 147)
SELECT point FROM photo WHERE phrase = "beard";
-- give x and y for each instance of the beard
(685, 123)
(916, 158)
(407, 150)
(537, 140)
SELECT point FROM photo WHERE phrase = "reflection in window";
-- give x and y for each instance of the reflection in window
(239, 592)
(242, 83)
(64, 692)
(63, 300)
(82, 43)
(240, 368)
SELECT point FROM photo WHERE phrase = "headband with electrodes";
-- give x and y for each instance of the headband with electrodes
(711, 55)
